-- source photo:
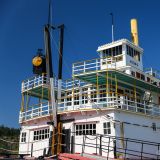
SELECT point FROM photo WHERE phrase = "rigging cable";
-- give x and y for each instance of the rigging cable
(55, 43)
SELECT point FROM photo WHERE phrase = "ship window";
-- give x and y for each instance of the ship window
(76, 91)
(137, 56)
(84, 95)
(138, 75)
(133, 53)
(93, 88)
(148, 79)
(84, 89)
(107, 128)
(112, 51)
(23, 137)
(142, 77)
(104, 62)
(154, 126)
(94, 96)
(86, 129)
(133, 73)
(40, 134)
(120, 91)
(155, 83)
(127, 91)
(76, 100)
(84, 99)
(117, 49)
(102, 86)
(102, 95)
(69, 93)
(69, 101)
(109, 52)
(119, 58)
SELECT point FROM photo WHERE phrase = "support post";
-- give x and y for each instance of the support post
(97, 87)
(115, 149)
(108, 147)
(72, 143)
(61, 27)
(100, 145)
(32, 150)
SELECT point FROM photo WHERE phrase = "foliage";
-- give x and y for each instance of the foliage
(11, 135)
(8, 132)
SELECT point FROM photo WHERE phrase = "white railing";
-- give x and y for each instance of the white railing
(73, 83)
(152, 72)
(40, 110)
(108, 102)
(43, 80)
(34, 82)
(93, 65)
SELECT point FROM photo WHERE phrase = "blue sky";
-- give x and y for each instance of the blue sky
(88, 25)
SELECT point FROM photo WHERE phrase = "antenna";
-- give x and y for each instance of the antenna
(49, 12)
(112, 27)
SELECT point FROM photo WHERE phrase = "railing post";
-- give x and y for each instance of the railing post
(136, 105)
(84, 67)
(108, 147)
(48, 108)
(115, 148)
(158, 152)
(83, 145)
(127, 102)
(144, 107)
(142, 151)
(100, 145)
(34, 83)
(43, 78)
(32, 150)
(125, 149)
(73, 69)
(41, 109)
(72, 144)
(96, 144)
(28, 84)
(96, 65)
(38, 78)
(22, 89)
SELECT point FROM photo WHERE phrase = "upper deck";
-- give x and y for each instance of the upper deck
(93, 71)
(116, 80)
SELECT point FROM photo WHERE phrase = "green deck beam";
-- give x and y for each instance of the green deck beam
(123, 79)
(38, 92)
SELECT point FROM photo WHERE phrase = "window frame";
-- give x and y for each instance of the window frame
(41, 134)
(107, 128)
(23, 137)
(85, 129)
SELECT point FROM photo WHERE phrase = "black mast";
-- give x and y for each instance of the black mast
(47, 30)
(61, 27)
(48, 51)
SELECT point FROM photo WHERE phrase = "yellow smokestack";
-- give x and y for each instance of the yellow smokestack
(134, 31)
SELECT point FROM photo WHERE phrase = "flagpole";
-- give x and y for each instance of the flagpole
(112, 27)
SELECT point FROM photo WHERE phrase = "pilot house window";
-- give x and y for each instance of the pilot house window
(133, 53)
(114, 51)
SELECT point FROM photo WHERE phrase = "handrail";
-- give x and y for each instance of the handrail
(96, 65)
(120, 103)
(42, 80)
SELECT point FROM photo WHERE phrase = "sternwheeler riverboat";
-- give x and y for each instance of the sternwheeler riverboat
(110, 108)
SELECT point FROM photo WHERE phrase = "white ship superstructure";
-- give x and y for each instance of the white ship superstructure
(111, 104)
